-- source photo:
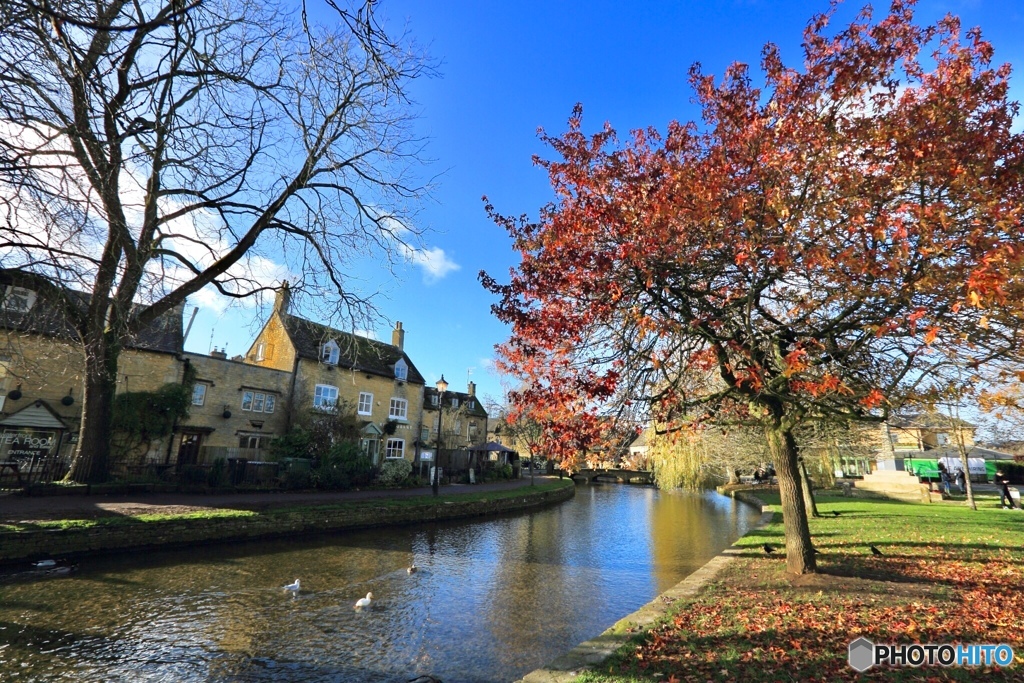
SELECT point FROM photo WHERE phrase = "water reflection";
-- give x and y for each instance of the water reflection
(491, 600)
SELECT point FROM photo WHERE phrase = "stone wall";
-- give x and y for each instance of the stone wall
(21, 546)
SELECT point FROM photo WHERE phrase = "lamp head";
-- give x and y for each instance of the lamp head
(442, 386)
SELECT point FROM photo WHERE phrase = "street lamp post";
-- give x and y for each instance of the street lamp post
(442, 387)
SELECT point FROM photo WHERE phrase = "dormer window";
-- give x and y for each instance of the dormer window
(401, 370)
(329, 353)
(433, 399)
(455, 403)
(18, 299)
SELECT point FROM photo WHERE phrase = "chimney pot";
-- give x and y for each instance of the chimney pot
(283, 298)
(398, 336)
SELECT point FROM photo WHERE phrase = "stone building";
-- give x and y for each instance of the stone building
(237, 408)
(42, 372)
(331, 368)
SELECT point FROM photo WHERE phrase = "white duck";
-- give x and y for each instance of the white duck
(364, 602)
(293, 587)
(411, 569)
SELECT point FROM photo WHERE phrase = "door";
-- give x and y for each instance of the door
(188, 451)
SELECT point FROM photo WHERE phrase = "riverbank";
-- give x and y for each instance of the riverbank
(946, 574)
(69, 527)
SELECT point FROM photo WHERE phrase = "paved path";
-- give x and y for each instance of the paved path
(25, 508)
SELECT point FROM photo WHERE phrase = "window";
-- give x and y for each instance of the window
(261, 351)
(455, 403)
(401, 370)
(19, 299)
(472, 428)
(258, 401)
(198, 394)
(424, 434)
(395, 448)
(329, 353)
(365, 403)
(433, 400)
(471, 404)
(252, 441)
(436, 422)
(458, 426)
(399, 409)
(325, 397)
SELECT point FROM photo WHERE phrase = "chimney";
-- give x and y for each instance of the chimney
(398, 336)
(283, 298)
(472, 389)
(219, 353)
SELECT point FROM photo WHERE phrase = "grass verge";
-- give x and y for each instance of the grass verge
(948, 574)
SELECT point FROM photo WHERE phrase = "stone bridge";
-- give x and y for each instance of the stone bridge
(622, 476)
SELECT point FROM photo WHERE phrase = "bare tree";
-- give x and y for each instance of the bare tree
(150, 149)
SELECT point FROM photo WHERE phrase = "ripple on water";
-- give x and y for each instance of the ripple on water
(492, 599)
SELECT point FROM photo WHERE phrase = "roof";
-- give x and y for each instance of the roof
(933, 421)
(477, 410)
(38, 415)
(357, 353)
(163, 334)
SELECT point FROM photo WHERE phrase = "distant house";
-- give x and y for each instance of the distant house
(927, 431)
(330, 367)
(465, 418)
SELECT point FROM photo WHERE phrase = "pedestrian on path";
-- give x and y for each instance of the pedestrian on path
(961, 481)
(1005, 499)
(944, 477)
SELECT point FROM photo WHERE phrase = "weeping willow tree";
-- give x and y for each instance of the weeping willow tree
(701, 458)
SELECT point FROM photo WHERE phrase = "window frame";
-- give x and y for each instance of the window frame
(455, 401)
(247, 395)
(388, 449)
(202, 398)
(369, 402)
(403, 415)
(270, 404)
(321, 406)
(402, 370)
(331, 358)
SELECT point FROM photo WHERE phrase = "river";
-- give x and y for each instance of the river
(491, 600)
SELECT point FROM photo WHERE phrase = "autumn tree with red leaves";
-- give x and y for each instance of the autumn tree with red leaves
(807, 242)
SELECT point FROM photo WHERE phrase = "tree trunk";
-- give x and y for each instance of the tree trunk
(91, 464)
(805, 484)
(965, 463)
(731, 473)
(782, 447)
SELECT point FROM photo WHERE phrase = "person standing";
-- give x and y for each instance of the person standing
(1005, 499)
(944, 477)
(961, 481)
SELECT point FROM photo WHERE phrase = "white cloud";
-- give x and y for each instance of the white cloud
(434, 262)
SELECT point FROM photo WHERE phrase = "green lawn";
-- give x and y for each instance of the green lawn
(947, 575)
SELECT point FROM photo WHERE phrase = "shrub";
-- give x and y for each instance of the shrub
(343, 467)
(394, 472)
(297, 479)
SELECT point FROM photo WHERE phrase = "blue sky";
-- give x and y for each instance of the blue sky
(509, 68)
